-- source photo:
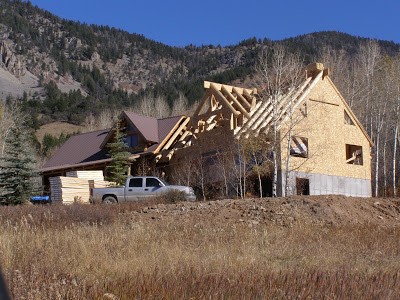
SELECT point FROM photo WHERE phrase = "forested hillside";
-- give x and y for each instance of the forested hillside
(61, 70)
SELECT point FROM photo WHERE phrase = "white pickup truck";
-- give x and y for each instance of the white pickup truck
(137, 188)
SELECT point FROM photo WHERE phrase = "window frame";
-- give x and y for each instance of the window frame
(354, 155)
(301, 154)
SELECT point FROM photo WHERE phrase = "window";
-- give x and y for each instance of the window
(153, 182)
(347, 119)
(354, 155)
(136, 182)
(302, 186)
(132, 140)
(299, 147)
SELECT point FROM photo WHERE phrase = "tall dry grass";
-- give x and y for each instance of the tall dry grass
(106, 252)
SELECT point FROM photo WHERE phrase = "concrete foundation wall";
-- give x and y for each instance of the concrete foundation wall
(322, 184)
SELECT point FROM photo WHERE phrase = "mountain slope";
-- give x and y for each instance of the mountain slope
(67, 69)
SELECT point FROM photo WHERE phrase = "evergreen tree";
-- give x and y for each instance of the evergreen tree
(16, 168)
(118, 151)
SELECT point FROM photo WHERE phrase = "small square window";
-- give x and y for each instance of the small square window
(347, 119)
(302, 186)
(299, 147)
(354, 155)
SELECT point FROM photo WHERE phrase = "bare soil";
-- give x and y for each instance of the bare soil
(314, 210)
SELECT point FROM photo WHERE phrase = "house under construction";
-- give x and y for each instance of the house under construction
(322, 148)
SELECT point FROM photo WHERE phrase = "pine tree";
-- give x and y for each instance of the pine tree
(16, 168)
(118, 150)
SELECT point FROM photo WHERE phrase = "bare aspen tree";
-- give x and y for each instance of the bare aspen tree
(279, 72)
(239, 168)
(90, 122)
(256, 154)
(199, 174)
(224, 159)
(396, 117)
(182, 172)
(345, 73)
(385, 142)
(180, 106)
(151, 106)
(368, 58)
(107, 118)
(378, 116)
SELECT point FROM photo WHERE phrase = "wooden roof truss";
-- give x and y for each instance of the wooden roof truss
(238, 108)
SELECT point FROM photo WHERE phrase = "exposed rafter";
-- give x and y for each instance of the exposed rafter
(239, 109)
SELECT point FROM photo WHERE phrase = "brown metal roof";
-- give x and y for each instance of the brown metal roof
(147, 126)
(79, 148)
(152, 129)
(165, 126)
(85, 149)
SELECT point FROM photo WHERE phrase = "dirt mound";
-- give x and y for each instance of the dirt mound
(323, 210)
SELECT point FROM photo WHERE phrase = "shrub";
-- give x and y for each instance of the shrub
(173, 196)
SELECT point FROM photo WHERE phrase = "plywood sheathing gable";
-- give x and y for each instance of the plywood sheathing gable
(351, 113)
(328, 134)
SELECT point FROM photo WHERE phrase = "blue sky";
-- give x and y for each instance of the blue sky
(179, 23)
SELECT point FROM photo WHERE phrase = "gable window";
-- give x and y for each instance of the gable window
(299, 146)
(132, 140)
(354, 154)
(347, 119)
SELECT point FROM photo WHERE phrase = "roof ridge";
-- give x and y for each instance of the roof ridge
(178, 116)
(144, 116)
(87, 132)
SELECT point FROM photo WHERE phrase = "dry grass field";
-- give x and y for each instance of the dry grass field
(56, 128)
(293, 248)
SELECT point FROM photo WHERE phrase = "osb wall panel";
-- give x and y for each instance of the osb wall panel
(327, 136)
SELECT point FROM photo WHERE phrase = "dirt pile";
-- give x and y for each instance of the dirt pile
(319, 210)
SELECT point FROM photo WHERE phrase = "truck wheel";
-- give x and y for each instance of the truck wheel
(109, 200)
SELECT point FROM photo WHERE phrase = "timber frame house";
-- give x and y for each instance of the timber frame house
(326, 151)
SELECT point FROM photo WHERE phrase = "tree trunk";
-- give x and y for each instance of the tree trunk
(377, 163)
(384, 166)
(275, 175)
(260, 184)
(394, 160)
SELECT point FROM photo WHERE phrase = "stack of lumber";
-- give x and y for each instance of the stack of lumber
(102, 184)
(90, 175)
(69, 190)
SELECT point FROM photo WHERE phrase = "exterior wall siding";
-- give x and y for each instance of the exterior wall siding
(327, 135)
